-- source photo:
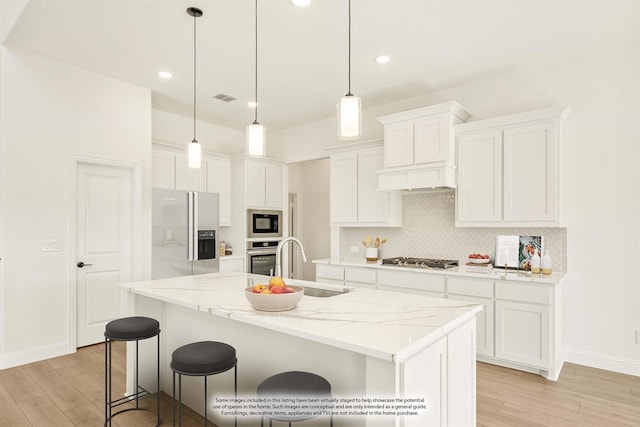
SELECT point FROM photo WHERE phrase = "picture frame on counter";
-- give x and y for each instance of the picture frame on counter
(515, 252)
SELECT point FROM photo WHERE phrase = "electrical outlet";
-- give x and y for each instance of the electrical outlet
(637, 336)
(53, 245)
(354, 249)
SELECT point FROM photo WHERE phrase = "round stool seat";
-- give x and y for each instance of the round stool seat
(132, 328)
(203, 358)
(294, 384)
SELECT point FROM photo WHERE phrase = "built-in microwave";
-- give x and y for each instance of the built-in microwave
(264, 223)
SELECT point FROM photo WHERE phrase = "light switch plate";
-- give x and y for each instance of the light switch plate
(637, 336)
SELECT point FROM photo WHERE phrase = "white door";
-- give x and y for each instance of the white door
(103, 246)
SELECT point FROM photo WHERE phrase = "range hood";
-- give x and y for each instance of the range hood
(419, 148)
(417, 178)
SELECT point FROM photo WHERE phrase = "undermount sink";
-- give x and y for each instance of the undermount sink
(323, 293)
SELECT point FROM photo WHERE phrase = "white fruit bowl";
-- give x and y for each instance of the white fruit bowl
(275, 302)
(479, 260)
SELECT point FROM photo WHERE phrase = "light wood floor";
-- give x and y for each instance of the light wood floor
(69, 391)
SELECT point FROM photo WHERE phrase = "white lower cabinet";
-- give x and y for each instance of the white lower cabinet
(360, 277)
(478, 292)
(418, 283)
(522, 332)
(520, 325)
(355, 277)
(484, 323)
(327, 273)
(528, 327)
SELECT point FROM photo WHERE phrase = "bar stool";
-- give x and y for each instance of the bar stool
(202, 359)
(128, 329)
(294, 384)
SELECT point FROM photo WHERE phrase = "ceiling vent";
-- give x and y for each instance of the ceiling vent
(224, 97)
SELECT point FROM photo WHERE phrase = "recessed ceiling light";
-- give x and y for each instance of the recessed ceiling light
(301, 3)
(165, 74)
(382, 59)
(252, 104)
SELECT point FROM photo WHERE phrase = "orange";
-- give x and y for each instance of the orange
(276, 281)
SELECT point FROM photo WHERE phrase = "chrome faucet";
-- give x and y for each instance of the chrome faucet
(279, 253)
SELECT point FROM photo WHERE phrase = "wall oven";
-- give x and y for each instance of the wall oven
(261, 257)
(264, 223)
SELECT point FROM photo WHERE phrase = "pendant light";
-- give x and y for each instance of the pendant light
(349, 106)
(194, 150)
(256, 139)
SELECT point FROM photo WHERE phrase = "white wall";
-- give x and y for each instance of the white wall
(310, 180)
(601, 175)
(177, 130)
(50, 112)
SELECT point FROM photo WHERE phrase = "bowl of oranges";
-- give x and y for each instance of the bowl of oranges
(274, 296)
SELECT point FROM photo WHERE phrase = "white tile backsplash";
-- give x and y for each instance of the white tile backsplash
(428, 231)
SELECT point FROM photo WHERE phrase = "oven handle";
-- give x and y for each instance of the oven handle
(261, 252)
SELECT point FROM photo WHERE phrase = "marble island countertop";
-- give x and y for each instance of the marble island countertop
(496, 274)
(386, 325)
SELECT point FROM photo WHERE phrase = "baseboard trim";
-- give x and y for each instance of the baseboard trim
(36, 354)
(603, 361)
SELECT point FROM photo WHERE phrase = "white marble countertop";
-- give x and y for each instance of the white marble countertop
(497, 273)
(381, 324)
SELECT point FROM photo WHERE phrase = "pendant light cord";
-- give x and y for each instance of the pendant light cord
(194, 77)
(255, 121)
(349, 91)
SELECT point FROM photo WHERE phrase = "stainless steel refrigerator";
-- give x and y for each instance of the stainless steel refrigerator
(185, 230)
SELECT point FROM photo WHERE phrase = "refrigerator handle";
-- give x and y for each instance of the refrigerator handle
(195, 225)
(190, 226)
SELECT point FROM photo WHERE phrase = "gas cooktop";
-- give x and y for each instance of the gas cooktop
(440, 264)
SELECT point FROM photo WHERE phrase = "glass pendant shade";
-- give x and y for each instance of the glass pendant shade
(349, 117)
(256, 140)
(194, 155)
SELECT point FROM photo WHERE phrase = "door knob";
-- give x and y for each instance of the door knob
(82, 264)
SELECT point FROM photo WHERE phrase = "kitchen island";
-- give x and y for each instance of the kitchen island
(415, 353)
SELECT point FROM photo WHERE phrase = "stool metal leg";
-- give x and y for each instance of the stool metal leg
(137, 370)
(180, 399)
(205, 401)
(106, 381)
(158, 386)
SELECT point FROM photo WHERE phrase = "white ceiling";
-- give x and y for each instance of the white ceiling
(303, 51)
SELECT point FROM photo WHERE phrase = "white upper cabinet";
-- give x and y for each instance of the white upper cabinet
(343, 187)
(509, 170)
(169, 170)
(274, 180)
(398, 149)
(218, 180)
(264, 184)
(163, 169)
(531, 164)
(186, 178)
(419, 148)
(479, 194)
(354, 197)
